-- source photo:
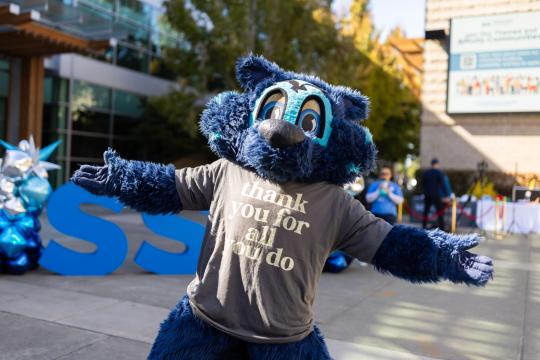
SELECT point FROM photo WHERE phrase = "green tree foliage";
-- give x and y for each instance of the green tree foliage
(302, 35)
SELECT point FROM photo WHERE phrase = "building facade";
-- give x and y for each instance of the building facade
(89, 99)
(509, 142)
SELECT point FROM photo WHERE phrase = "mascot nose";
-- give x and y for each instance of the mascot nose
(281, 133)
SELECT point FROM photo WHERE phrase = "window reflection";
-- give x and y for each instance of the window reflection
(132, 58)
(89, 96)
(100, 117)
(88, 146)
(91, 121)
(129, 104)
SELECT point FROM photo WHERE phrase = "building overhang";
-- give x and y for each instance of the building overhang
(22, 34)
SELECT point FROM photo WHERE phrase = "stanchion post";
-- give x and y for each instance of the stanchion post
(497, 235)
(454, 215)
(502, 214)
(400, 213)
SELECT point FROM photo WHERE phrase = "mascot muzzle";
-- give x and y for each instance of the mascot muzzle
(280, 133)
(288, 112)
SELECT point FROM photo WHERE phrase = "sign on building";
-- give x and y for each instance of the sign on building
(494, 64)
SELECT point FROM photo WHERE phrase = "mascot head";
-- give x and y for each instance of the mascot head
(290, 127)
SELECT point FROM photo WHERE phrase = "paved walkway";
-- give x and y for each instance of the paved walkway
(364, 315)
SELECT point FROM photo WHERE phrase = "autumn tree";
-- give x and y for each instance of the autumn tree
(301, 35)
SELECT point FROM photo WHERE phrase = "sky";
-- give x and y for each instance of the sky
(387, 14)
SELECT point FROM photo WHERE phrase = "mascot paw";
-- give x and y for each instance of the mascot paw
(97, 179)
(464, 266)
(471, 269)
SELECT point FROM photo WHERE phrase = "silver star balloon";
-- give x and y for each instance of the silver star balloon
(18, 165)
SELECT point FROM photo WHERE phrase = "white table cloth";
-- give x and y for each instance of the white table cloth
(516, 218)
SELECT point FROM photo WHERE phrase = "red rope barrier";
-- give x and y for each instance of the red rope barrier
(471, 216)
(419, 216)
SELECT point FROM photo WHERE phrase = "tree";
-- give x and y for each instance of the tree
(301, 35)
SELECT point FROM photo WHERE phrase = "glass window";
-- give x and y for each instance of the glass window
(4, 65)
(137, 36)
(106, 56)
(91, 121)
(56, 177)
(90, 96)
(129, 104)
(4, 83)
(88, 146)
(128, 148)
(132, 58)
(48, 90)
(56, 90)
(124, 125)
(104, 4)
(60, 151)
(136, 11)
(54, 117)
(3, 117)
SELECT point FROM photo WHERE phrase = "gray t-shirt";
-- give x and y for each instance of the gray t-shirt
(265, 247)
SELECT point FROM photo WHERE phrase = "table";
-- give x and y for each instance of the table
(516, 218)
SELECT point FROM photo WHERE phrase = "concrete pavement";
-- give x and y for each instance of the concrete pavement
(364, 315)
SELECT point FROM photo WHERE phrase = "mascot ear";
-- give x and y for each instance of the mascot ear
(355, 105)
(252, 69)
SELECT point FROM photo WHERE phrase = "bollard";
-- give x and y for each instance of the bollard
(454, 215)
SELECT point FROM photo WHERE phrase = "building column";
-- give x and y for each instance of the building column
(31, 98)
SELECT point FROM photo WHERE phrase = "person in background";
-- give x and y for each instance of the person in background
(384, 196)
(436, 189)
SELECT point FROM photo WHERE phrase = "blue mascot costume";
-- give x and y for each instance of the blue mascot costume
(277, 210)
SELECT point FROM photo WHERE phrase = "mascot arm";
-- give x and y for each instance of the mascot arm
(430, 256)
(143, 186)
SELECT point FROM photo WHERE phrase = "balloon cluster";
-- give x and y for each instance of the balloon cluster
(24, 189)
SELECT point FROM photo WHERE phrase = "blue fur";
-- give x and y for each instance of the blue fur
(430, 256)
(143, 186)
(183, 336)
(350, 150)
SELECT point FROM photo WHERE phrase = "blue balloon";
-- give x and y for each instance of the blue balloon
(20, 245)
(19, 266)
(337, 262)
(12, 243)
(25, 193)
(34, 192)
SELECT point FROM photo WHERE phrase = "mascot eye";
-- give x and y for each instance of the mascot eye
(309, 121)
(272, 107)
(310, 118)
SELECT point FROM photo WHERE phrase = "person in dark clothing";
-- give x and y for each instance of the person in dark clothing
(435, 193)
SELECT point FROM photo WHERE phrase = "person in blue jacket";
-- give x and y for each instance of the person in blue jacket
(384, 196)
